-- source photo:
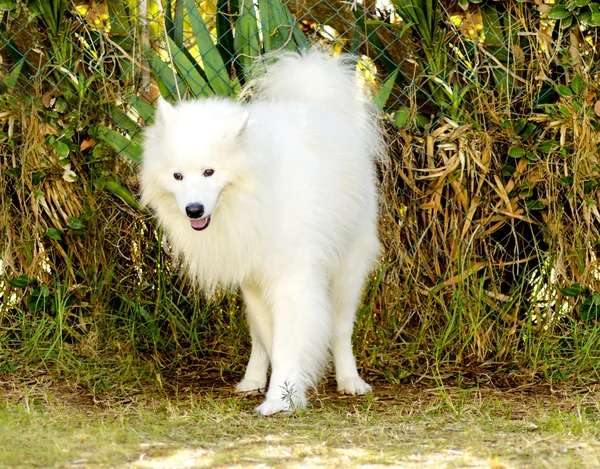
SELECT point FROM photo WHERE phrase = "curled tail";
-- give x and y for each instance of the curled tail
(313, 76)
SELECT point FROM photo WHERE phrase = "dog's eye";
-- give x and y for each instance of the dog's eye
(209, 173)
(178, 176)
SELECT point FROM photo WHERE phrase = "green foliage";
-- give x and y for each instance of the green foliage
(572, 12)
(214, 67)
(423, 18)
(52, 13)
(116, 188)
(13, 76)
(246, 40)
(211, 72)
(385, 91)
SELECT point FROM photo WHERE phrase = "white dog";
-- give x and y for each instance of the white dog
(277, 197)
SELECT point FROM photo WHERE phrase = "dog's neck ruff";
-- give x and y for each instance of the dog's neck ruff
(224, 254)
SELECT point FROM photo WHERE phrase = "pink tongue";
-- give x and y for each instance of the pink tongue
(199, 223)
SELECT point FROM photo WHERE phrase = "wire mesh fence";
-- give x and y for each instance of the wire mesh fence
(491, 109)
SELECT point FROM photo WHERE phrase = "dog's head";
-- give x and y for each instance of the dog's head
(192, 153)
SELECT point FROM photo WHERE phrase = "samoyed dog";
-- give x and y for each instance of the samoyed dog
(278, 198)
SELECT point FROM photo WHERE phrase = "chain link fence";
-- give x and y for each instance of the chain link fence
(491, 110)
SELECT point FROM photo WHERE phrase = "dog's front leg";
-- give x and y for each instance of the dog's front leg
(302, 329)
(261, 329)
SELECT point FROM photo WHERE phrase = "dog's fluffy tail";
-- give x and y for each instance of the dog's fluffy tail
(313, 76)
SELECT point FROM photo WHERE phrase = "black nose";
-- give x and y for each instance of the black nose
(194, 210)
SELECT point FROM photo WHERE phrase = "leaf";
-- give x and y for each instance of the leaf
(516, 152)
(10, 81)
(564, 91)
(558, 12)
(564, 110)
(7, 5)
(87, 143)
(547, 146)
(20, 282)
(75, 223)
(401, 117)
(535, 205)
(120, 143)
(246, 40)
(597, 108)
(40, 299)
(384, 91)
(423, 121)
(62, 149)
(178, 24)
(520, 125)
(278, 26)
(526, 193)
(122, 119)
(300, 39)
(187, 70)
(494, 30)
(165, 77)
(594, 20)
(119, 190)
(214, 68)
(577, 84)
(269, 31)
(144, 109)
(574, 290)
(567, 22)
(60, 105)
(53, 233)
(508, 170)
(566, 181)
(590, 307)
(531, 156)
(570, 5)
(37, 177)
(120, 24)
(528, 130)
(588, 186)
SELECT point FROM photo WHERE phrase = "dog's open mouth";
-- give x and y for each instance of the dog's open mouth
(200, 224)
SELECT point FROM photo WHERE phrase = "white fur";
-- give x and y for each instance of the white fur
(293, 207)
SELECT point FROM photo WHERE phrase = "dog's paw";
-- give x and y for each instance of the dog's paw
(354, 385)
(250, 386)
(275, 406)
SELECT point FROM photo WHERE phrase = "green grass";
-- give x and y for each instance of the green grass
(142, 340)
(405, 426)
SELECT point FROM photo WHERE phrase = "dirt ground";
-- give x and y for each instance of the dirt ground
(49, 423)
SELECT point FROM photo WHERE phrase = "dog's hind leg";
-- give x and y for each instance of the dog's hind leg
(346, 287)
(301, 335)
(259, 319)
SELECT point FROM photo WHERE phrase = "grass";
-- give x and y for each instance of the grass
(406, 426)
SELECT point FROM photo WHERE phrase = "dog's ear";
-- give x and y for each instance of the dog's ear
(238, 127)
(163, 111)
